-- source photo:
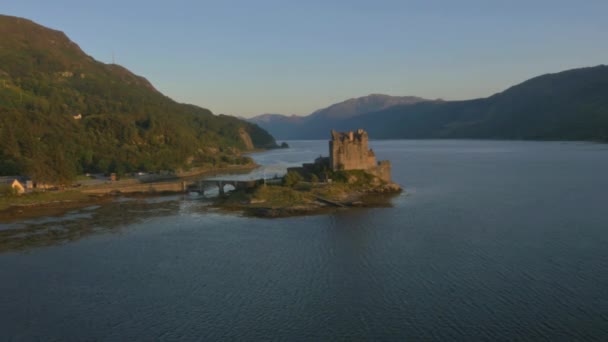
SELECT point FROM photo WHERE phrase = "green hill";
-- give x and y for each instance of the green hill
(127, 125)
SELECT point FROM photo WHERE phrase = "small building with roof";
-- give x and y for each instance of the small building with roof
(17, 183)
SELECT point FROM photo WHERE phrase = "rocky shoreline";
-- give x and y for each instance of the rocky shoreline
(360, 197)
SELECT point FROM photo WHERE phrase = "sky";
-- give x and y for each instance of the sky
(251, 57)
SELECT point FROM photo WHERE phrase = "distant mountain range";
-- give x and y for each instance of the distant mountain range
(305, 127)
(62, 113)
(569, 105)
(358, 106)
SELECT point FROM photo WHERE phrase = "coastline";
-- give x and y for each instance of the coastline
(306, 200)
(52, 203)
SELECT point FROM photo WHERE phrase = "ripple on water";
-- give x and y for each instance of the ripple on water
(470, 252)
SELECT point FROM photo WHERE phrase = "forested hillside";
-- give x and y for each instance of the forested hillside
(62, 113)
(569, 105)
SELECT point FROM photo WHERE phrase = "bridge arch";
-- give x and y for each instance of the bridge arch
(223, 186)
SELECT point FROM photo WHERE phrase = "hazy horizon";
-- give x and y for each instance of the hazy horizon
(246, 59)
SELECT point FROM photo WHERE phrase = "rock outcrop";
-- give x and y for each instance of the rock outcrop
(246, 139)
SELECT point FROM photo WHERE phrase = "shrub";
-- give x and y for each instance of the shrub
(357, 177)
(291, 179)
(7, 190)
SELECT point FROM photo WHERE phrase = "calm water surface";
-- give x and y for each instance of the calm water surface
(493, 241)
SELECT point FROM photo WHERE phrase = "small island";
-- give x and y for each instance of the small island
(349, 177)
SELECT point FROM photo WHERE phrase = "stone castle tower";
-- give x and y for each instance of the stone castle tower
(350, 151)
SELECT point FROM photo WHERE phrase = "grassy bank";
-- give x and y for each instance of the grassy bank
(41, 198)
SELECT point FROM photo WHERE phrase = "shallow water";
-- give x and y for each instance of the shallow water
(493, 241)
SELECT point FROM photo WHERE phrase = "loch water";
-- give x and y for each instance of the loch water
(492, 240)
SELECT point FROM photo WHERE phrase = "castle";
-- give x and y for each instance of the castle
(349, 151)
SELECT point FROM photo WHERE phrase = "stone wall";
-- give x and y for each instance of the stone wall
(349, 151)
(382, 170)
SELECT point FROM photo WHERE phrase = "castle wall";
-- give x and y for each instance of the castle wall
(349, 151)
(382, 170)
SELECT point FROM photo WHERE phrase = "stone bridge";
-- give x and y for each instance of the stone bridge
(201, 185)
(172, 186)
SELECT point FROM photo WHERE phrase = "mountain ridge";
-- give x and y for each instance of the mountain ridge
(566, 105)
(364, 104)
(346, 109)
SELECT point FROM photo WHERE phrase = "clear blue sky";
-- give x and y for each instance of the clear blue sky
(293, 57)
